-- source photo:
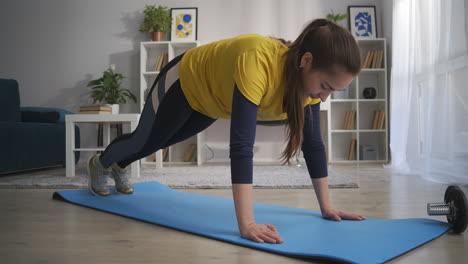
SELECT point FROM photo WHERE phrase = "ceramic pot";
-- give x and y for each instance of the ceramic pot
(158, 36)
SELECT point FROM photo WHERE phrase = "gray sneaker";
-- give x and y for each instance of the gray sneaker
(122, 183)
(98, 177)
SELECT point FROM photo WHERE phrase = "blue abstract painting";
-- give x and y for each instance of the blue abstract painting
(363, 24)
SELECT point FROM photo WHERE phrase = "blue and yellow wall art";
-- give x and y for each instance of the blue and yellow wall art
(184, 24)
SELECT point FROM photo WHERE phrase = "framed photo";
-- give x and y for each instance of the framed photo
(362, 21)
(184, 24)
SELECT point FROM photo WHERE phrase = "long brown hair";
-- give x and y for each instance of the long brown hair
(331, 45)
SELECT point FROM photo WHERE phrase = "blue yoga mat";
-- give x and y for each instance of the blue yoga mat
(305, 232)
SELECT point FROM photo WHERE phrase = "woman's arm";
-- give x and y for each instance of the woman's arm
(321, 191)
(243, 200)
(315, 156)
(242, 138)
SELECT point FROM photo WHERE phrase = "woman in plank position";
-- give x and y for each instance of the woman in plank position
(245, 79)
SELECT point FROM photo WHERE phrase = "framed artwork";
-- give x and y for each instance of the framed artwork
(184, 24)
(362, 21)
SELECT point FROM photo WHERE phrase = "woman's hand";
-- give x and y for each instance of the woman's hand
(335, 215)
(243, 202)
(261, 233)
(321, 190)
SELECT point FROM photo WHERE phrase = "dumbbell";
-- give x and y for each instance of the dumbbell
(455, 208)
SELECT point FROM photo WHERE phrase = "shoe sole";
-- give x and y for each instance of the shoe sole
(117, 190)
(89, 181)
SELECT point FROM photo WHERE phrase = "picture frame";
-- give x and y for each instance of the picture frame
(362, 21)
(184, 25)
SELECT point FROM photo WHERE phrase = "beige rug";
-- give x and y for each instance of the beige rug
(180, 177)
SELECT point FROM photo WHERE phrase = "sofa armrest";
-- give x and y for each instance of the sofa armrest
(25, 145)
(58, 119)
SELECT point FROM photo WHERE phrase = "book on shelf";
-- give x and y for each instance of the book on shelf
(378, 59)
(373, 59)
(376, 118)
(345, 125)
(352, 149)
(165, 60)
(157, 65)
(379, 117)
(165, 154)
(365, 63)
(161, 62)
(349, 120)
(189, 152)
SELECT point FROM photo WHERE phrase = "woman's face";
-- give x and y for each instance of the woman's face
(319, 84)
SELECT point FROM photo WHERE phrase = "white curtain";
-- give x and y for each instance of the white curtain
(429, 90)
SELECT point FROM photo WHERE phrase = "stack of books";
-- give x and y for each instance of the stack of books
(379, 117)
(374, 59)
(95, 109)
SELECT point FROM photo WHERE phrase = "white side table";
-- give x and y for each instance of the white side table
(106, 119)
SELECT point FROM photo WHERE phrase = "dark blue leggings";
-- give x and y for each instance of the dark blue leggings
(174, 121)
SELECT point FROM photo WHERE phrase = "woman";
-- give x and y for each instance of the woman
(245, 79)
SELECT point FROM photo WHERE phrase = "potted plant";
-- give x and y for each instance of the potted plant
(107, 90)
(157, 21)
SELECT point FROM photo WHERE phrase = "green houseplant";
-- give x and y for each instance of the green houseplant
(157, 20)
(107, 89)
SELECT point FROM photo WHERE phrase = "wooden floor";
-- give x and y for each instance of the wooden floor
(36, 229)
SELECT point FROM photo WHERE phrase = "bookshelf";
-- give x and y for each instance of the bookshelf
(358, 126)
(153, 56)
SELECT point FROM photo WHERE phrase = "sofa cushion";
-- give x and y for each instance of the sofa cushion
(9, 101)
(40, 117)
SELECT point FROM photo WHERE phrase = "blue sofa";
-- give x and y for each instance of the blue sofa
(30, 137)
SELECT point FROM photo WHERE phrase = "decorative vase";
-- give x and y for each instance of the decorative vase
(157, 36)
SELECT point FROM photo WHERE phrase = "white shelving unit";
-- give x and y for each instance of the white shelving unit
(371, 144)
(149, 54)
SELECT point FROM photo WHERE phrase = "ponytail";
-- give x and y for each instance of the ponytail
(331, 45)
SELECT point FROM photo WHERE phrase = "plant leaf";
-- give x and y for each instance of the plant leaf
(342, 17)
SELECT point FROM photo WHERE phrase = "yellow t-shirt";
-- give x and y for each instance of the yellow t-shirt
(253, 62)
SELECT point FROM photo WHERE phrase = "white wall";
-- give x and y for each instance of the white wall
(54, 47)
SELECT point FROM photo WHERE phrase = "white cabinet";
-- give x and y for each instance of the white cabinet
(150, 52)
(365, 137)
